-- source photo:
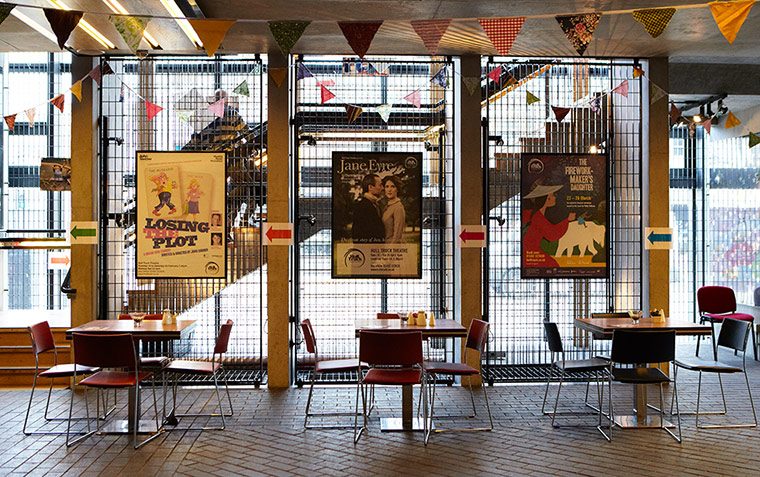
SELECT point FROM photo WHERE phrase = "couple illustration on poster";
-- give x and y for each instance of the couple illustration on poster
(375, 222)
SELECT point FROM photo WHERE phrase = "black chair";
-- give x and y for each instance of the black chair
(605, 356)
(733, 335)
(640, 348)
(569, 367)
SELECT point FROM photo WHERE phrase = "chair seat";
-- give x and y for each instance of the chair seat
(114, 379)
(605, 357)
(735, 316)
(337, 365)
(393, 376)
(639, 375)
(193, 367)
(709, 366)
(458, 369)
(154, 361)
(66, 370)
(593, 364)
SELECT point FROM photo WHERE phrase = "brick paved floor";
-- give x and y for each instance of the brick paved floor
(266, 437)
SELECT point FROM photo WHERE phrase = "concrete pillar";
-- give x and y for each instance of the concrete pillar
(278, 194)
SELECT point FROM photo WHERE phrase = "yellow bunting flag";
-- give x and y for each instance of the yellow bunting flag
(730, 16)
(76, 90)
(278, 75)
(58, 101)
(637, 72)
(731, 121)
(530, 98)
(211, 32)
(655, 20)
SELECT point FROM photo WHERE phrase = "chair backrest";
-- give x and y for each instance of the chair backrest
(223, 340)
(714, 299)
(308, 336)
(149, 316)
(42, 337)
(403, 348)
(612, 314)
(477, 335)
(105, 351)
(634, 347)
(553, 337)
(388, 316)
(757, 296)
(734, 334)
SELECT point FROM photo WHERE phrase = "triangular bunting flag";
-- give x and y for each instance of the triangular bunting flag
(31, 113)
(242, 89)
(76, 90)
(502, 32)
(5, 10)
(384, 110)
(655, 93)
(472, 83)
(217, 108)
(707, 125)
(10, 120)
(152, 109)
(754, 140)
(211, 32)
(441, 78)
(287, 33)
(637, 72)
(655, 20)
(731, 121)
(359, 35)
(62, 23)
(622, 89)
(278, 75)
(579, 29)
(730, 16)
(326, 94)
(185, 114)
(596, 105)
(530, 98)
(97, 73)
(495, 74)
(131, 29)
(303, 72)
(352, 112)
(414, 98)
(675, 113)
(58, 102)
(431, 32)
(560, 113)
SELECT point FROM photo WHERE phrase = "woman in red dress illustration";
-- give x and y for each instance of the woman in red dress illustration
(537, 227)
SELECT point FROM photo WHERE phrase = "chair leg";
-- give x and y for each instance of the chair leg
(699, 337)
(488, 407)
(662, 419)
(29, 407)
(472, 397)
(714, 344)
(556, 400)
(428, 417)
(546, 391)
(357, 431)
(600, 396)
(754, 343)
(89, 432)
(751, 402)
(308, 400)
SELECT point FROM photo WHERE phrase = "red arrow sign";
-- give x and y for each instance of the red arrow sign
(465, 236)
(273, 234)
(59, 260)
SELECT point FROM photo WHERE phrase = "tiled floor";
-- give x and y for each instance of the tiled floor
(266, 437)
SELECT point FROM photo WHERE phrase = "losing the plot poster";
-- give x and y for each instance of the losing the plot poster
(377, 215)
(564, 215)
(180, 203)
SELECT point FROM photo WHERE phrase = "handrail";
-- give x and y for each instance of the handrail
(28, 243)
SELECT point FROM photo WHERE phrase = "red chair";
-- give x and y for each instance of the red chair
(43, 341)
(716, 304)
(110, 351)
(323, 366)
(212, 368)
(394, 359)
(388, 316)
(157, 362)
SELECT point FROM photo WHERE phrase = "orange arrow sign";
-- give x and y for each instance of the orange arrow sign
(59, 260)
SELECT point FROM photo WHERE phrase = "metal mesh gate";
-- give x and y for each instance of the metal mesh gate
(321, 128)
(184, 88)
(517, 307)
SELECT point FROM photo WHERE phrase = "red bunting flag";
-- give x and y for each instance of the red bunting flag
(152, 109)
(62, 22)
(359, 35)
(675, 113)
(560, 113)
(353, 112)
(58, 102)
(97, 73)
(707, 125)
(495, 74)
(502, 31)
(622, 88)
(217, 108)
(414, 98)
(431, 32)
(10, 120)
(327, 95)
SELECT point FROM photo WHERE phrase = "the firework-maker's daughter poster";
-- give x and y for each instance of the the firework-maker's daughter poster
(178, 193)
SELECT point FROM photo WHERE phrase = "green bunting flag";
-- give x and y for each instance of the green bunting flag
(131, 29)
(655, 20)
(754, 140)
(384, 110)
(242, 89)
(286, 33)
(530, 98)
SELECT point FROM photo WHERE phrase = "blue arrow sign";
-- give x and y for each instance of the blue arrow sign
(653, 237)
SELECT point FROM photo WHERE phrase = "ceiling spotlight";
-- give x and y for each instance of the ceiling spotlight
(593, 149)
(698, 118)
(709, 110)
(722, 109)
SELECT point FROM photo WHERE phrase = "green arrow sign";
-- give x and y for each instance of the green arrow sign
(77, 232)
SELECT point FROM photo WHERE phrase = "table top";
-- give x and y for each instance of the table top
(443, 328)
(603, 327)
(147, 329)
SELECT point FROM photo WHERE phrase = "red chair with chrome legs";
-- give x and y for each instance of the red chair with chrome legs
(716, 304)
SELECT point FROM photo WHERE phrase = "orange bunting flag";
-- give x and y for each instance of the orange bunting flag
(494, 74)
(10, 120)
(431, 32)
(76, 90)
(707, 125)
(326, 94)
(675, 113)
(731, 121)
(414, 98)
(502, 31)
(58, 102)
(211, 32)
(730, 16)
(353, 112)
(622, 88)
(278, 75)
(637, 72)
(655, 20)
(152, 109)
(754, 140)
(560, 113)
(30, 113)
(359, 35)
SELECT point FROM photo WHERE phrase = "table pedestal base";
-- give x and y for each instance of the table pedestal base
(147, 426)
(396, 424)
(635, 422)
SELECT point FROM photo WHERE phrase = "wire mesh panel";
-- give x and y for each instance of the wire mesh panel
(598, 122)
(186, 88)
(378, 86)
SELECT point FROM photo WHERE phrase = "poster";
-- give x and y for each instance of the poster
(377, 215)
(564, 215)
(55, 174)
(180, 214)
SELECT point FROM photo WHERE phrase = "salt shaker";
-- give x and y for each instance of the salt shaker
(431, 320)
(168, 318)
(421, 318)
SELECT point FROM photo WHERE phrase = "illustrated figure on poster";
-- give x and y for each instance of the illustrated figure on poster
(163, 192)
(537, 226)
(368, 226)
(67, 174)
(394, 215)
(57, 173)
(193, 198)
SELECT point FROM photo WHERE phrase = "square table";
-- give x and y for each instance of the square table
(148, 329)
(442, 329)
